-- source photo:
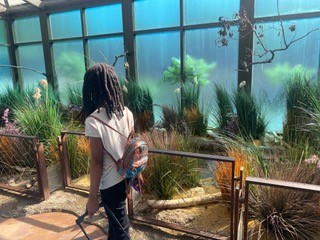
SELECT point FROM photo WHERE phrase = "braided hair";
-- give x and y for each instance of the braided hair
(101, 88)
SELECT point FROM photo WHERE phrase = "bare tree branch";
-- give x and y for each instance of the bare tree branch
(257, 29)
(26, 68)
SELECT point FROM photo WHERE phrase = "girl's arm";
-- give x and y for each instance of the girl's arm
(96, 165)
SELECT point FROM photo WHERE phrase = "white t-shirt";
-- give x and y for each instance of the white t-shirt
(112, 141)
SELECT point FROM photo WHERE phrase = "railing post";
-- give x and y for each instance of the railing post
(246, 212)
(64, 160)
(236, 213)
(42, 172)
(232, 201)
(238, 204)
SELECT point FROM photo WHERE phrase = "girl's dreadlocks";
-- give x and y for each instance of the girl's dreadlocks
(101, 88)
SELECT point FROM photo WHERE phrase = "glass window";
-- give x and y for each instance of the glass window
(296, 6)
(153, 61)
(269, 79)
(3, 37)
(26, 30)
(31, 57)
(105, 50)
(150, 14)
(207, 11)
(69, 66)
(5, 73)
(66, 24)
(212, 64)
(103, 20)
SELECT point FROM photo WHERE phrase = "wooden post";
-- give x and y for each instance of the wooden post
(64, 160)
(42, 172)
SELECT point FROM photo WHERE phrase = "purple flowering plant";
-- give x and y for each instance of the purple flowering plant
(314, 160)
(9, 127)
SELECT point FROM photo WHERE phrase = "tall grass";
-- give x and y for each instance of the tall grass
(252, 124)
(74, 96)
(224, 108)
(79, 156)
(43, 121)
(41, 117)
(12, 98)
(299, 102)
(246, 156)
(168, 175)
(140, 102)
(286, 213)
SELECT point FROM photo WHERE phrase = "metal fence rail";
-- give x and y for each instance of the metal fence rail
(275, 184)
(69, 181)
(22, 165)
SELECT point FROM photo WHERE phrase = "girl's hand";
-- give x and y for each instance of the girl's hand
(92, 206)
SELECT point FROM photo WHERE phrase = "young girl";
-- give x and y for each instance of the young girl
(102, 99)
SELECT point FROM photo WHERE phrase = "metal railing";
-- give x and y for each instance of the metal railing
(22, 165)
(271, 183)
(68, 182)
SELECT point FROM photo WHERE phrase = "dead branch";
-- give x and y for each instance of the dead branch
(247, 27)
(21, 67)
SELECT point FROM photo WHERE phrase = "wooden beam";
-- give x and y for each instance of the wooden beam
(3, 8)
(36, 3)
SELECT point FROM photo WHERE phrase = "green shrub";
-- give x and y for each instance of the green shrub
(224, 108)
(39, 117)
(252, 124)
(79, 155)
(299, 102)
(168, 175)
(140, 102)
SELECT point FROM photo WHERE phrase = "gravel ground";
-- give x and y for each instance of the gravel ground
(71, 201)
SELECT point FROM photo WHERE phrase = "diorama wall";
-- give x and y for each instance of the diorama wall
(58, 44)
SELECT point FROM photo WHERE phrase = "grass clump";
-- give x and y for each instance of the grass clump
(168, 175)
(283, 213)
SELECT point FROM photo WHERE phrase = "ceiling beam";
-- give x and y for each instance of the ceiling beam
(3, 8)
(36, 3)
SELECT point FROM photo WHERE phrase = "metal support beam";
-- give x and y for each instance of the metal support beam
(128, 37)
(245, 43)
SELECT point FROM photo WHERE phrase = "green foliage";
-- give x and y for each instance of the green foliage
(196, 71)
(140, 102)
(40, 116)
(314, 114)
(225, 109)
(194, 116)
(12, 98)
(72, 65)
(168, 175)
(79, 156)
(281, 72)
(74, 96)
(189, 111)
(187, 117)
(197, 121)
(298, 102)
(170, 118)
(251, 122)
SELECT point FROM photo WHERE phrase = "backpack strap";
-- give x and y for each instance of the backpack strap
(128, 138)
(131, 131)
(103, 122)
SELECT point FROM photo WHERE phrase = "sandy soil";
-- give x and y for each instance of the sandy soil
(214, 218)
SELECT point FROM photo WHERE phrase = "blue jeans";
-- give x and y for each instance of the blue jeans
(115, 199)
